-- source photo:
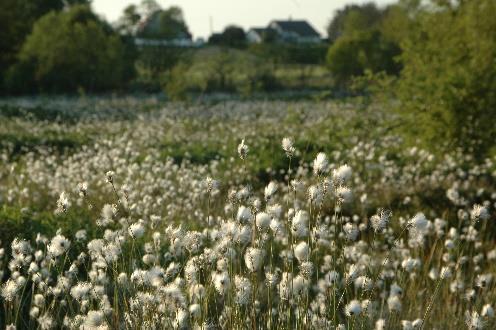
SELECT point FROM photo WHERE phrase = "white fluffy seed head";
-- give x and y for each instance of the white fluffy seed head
(94, 319)
(344, 194)
(9, 290)
(380, 220)
(263, 221)
(342, 174)
(479, 212)
(394, 303)
(136, 230)
(299, 225)
(353, 308)
(253, 259)
(320, 164)
(287, 146)
(63, 203)
(243, 290)
(195, 310)
(58, 246)
(380, 324)
(243, 150)
(244, 214)
(270, 190)
(419, 222)
(221, 282)
(302, 251)
(487, 311)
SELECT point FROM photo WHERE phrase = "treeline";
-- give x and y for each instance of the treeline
(434, 62)
(60, 46)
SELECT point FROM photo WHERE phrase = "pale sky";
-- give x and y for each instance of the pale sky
(245, 13)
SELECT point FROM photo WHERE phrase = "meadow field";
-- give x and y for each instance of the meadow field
(135, 213)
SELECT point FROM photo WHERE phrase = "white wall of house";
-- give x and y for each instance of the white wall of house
(253, 37)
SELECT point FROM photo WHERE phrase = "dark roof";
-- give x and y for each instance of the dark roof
(302, 28)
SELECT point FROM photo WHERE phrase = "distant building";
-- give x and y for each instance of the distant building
(285, 31)
(258, 35)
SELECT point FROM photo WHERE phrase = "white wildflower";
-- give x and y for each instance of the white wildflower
(263, 221)
(253, 259)
(243, 290)
(302, 251)
(299, 224)
(344, 194)
(244, 214)
(487, 311)
(353, 308)
(270, 190)
(342, 174)
(136, 230)
(479, 212)
(320, 164)
(62, 203)
(287, 146)
(94, 319)
(9, 290)
(243, 150)
(58, 246)
(381, 220)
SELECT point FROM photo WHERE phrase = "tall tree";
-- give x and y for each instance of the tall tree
(128, 22)
(448, 84)
(68, 50)
(165, 24)
(353, 18)
(16, 21)
(232, 36)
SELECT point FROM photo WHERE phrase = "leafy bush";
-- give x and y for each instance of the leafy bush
(70, 50)
(352, 55)
(448, 85)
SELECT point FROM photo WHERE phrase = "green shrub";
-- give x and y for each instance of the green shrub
(68, 51)
(448, 84)
(352, 55)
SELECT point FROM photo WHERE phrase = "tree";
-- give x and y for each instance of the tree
(399, 20)
(71, 50)
(165, 24)
(353, 18)
(367, 38)
(232, 36)
(16, 21)
(353, 55)
(448, 84)
(172, 24)
(148, 7)
(128, 22)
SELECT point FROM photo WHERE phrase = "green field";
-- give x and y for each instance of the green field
(131, 212)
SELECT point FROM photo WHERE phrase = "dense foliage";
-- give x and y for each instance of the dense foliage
(448, 84)
(51, 61)
(353, 55)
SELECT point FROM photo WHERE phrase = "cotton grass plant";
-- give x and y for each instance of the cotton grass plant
(342, 239)
(291, 258)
